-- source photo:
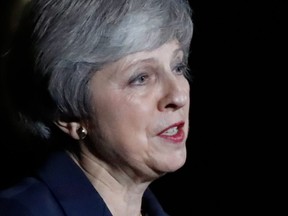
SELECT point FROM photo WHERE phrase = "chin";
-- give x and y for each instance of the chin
(173, 163)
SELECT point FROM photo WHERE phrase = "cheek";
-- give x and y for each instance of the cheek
(123, 131)
(123, 115)
(187, 90)
(186, 85)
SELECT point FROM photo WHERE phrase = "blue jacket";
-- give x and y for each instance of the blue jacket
(60, 188)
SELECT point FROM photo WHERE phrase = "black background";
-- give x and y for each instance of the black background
(235, 165)
(238, 61)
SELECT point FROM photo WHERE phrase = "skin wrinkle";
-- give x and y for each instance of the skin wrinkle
(96, 33)
(127, 154)
(117, 70)
(102, 184)
(156, 130)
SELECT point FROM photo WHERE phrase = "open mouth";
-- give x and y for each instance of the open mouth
(174, 132)
(171, 131)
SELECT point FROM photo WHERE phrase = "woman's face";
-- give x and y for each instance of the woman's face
(141, 111)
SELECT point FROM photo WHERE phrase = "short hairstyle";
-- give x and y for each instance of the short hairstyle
(62, 43)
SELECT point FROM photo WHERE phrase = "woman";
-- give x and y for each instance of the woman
(103, 82)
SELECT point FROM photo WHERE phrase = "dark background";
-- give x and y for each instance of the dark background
(238, 61)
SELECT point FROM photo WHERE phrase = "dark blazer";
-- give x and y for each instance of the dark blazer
(60, 188)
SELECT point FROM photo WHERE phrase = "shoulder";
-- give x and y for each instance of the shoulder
(30, 197)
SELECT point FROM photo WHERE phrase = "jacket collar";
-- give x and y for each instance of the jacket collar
(71, 187)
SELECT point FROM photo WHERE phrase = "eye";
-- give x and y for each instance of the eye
(140, 79)
(181, 69)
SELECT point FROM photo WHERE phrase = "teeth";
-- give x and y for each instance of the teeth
(171, 131)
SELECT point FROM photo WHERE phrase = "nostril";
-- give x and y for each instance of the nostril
(171, 106)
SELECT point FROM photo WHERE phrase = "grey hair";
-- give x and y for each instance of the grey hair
(70, 40)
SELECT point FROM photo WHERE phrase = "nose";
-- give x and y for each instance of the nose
(175, 95)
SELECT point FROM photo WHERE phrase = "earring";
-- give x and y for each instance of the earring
(82, 133)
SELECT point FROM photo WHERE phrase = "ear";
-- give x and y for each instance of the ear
(69, 128)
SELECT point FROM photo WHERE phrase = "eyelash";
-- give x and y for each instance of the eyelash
(181, 69)
(138, 79)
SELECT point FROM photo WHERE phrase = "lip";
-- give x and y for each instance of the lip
(176, 138)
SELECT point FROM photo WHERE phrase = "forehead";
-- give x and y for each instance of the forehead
(163, 55)
(165, 52)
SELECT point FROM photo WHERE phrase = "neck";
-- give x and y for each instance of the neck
(121, 194)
